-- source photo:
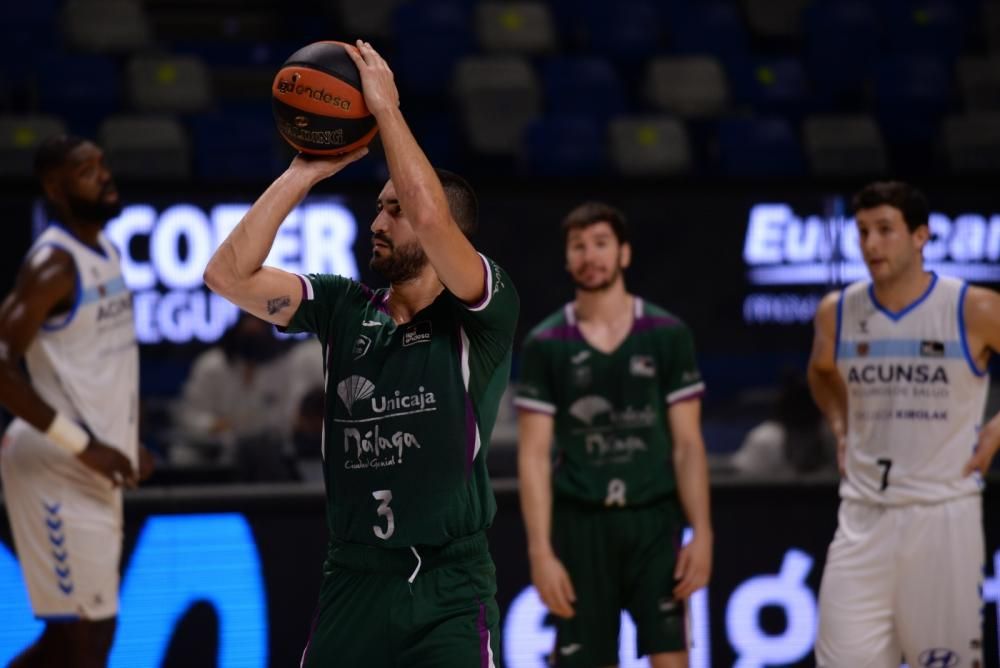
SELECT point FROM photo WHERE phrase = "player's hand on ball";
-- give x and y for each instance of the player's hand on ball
(109, 462)
(694, 566)
(380, 90)
(553, 584)
(321, 167)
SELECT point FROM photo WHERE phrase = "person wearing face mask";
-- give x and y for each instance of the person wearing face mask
(238, 406)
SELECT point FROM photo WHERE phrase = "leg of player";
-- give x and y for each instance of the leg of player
(91, 641)
(856, 620)
(49, 649)
(938, 607)
(70, 644)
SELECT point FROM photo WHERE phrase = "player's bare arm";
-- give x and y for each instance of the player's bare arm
(418, 188)
(534, 469)
(45, 287)
(982, 320)
(236, 270)
(694, 561)
(828, 389)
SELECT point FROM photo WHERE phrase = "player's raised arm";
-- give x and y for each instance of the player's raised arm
(45, 285)
(236, 270)
(982, 319)
(418, 188)
(827, 386)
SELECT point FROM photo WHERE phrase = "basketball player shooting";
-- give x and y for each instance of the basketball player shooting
(899, 368)
(74, 441)
(415, 374)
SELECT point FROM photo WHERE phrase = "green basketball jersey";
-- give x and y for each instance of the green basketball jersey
(409, 408)
(612, 440)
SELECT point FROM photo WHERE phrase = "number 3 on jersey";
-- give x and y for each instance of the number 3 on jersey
(384, 496)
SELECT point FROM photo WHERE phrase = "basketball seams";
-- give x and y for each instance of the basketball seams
(319, 68)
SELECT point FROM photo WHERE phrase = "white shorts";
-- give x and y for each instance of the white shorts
(67, 526)
(903, 582)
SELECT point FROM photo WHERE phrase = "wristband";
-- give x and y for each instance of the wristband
(68, 435)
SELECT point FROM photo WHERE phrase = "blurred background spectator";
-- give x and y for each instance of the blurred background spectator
(240, 406)
(795, 440)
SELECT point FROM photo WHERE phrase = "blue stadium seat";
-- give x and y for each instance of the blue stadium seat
(585, 86)
(772, 85)
(912, 93)
(627, 31)
(674, 11)
(31, 14)
(221, 53)
(713, 28)
(430, 38)
(843, 41)
(565, 146)
(27, 31)
(439, 138)
(236, 145)
(933, 27)
(759, 147)
(84, 88)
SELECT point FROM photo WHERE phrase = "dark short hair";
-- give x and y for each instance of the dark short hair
(591, 213)
(899, 195)
(52, 152)
(462, 201)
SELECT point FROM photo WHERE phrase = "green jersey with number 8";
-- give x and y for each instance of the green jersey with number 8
(613, 444)
(409, 408)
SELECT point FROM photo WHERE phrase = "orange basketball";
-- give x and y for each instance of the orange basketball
(317, 101)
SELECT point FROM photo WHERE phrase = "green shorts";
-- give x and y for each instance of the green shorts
(618, 559)
(379, 610)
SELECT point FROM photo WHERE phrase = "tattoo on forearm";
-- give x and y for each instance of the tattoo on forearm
(277, 304)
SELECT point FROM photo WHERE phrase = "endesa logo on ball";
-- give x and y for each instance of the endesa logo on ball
(320, 94)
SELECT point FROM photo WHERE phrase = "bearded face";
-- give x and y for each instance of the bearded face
(595, 258)
(397, 263)
(99, 210)
(83, 188)
(595, 277)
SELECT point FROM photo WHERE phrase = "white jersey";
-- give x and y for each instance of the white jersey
(915, 397)
(85, 364)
